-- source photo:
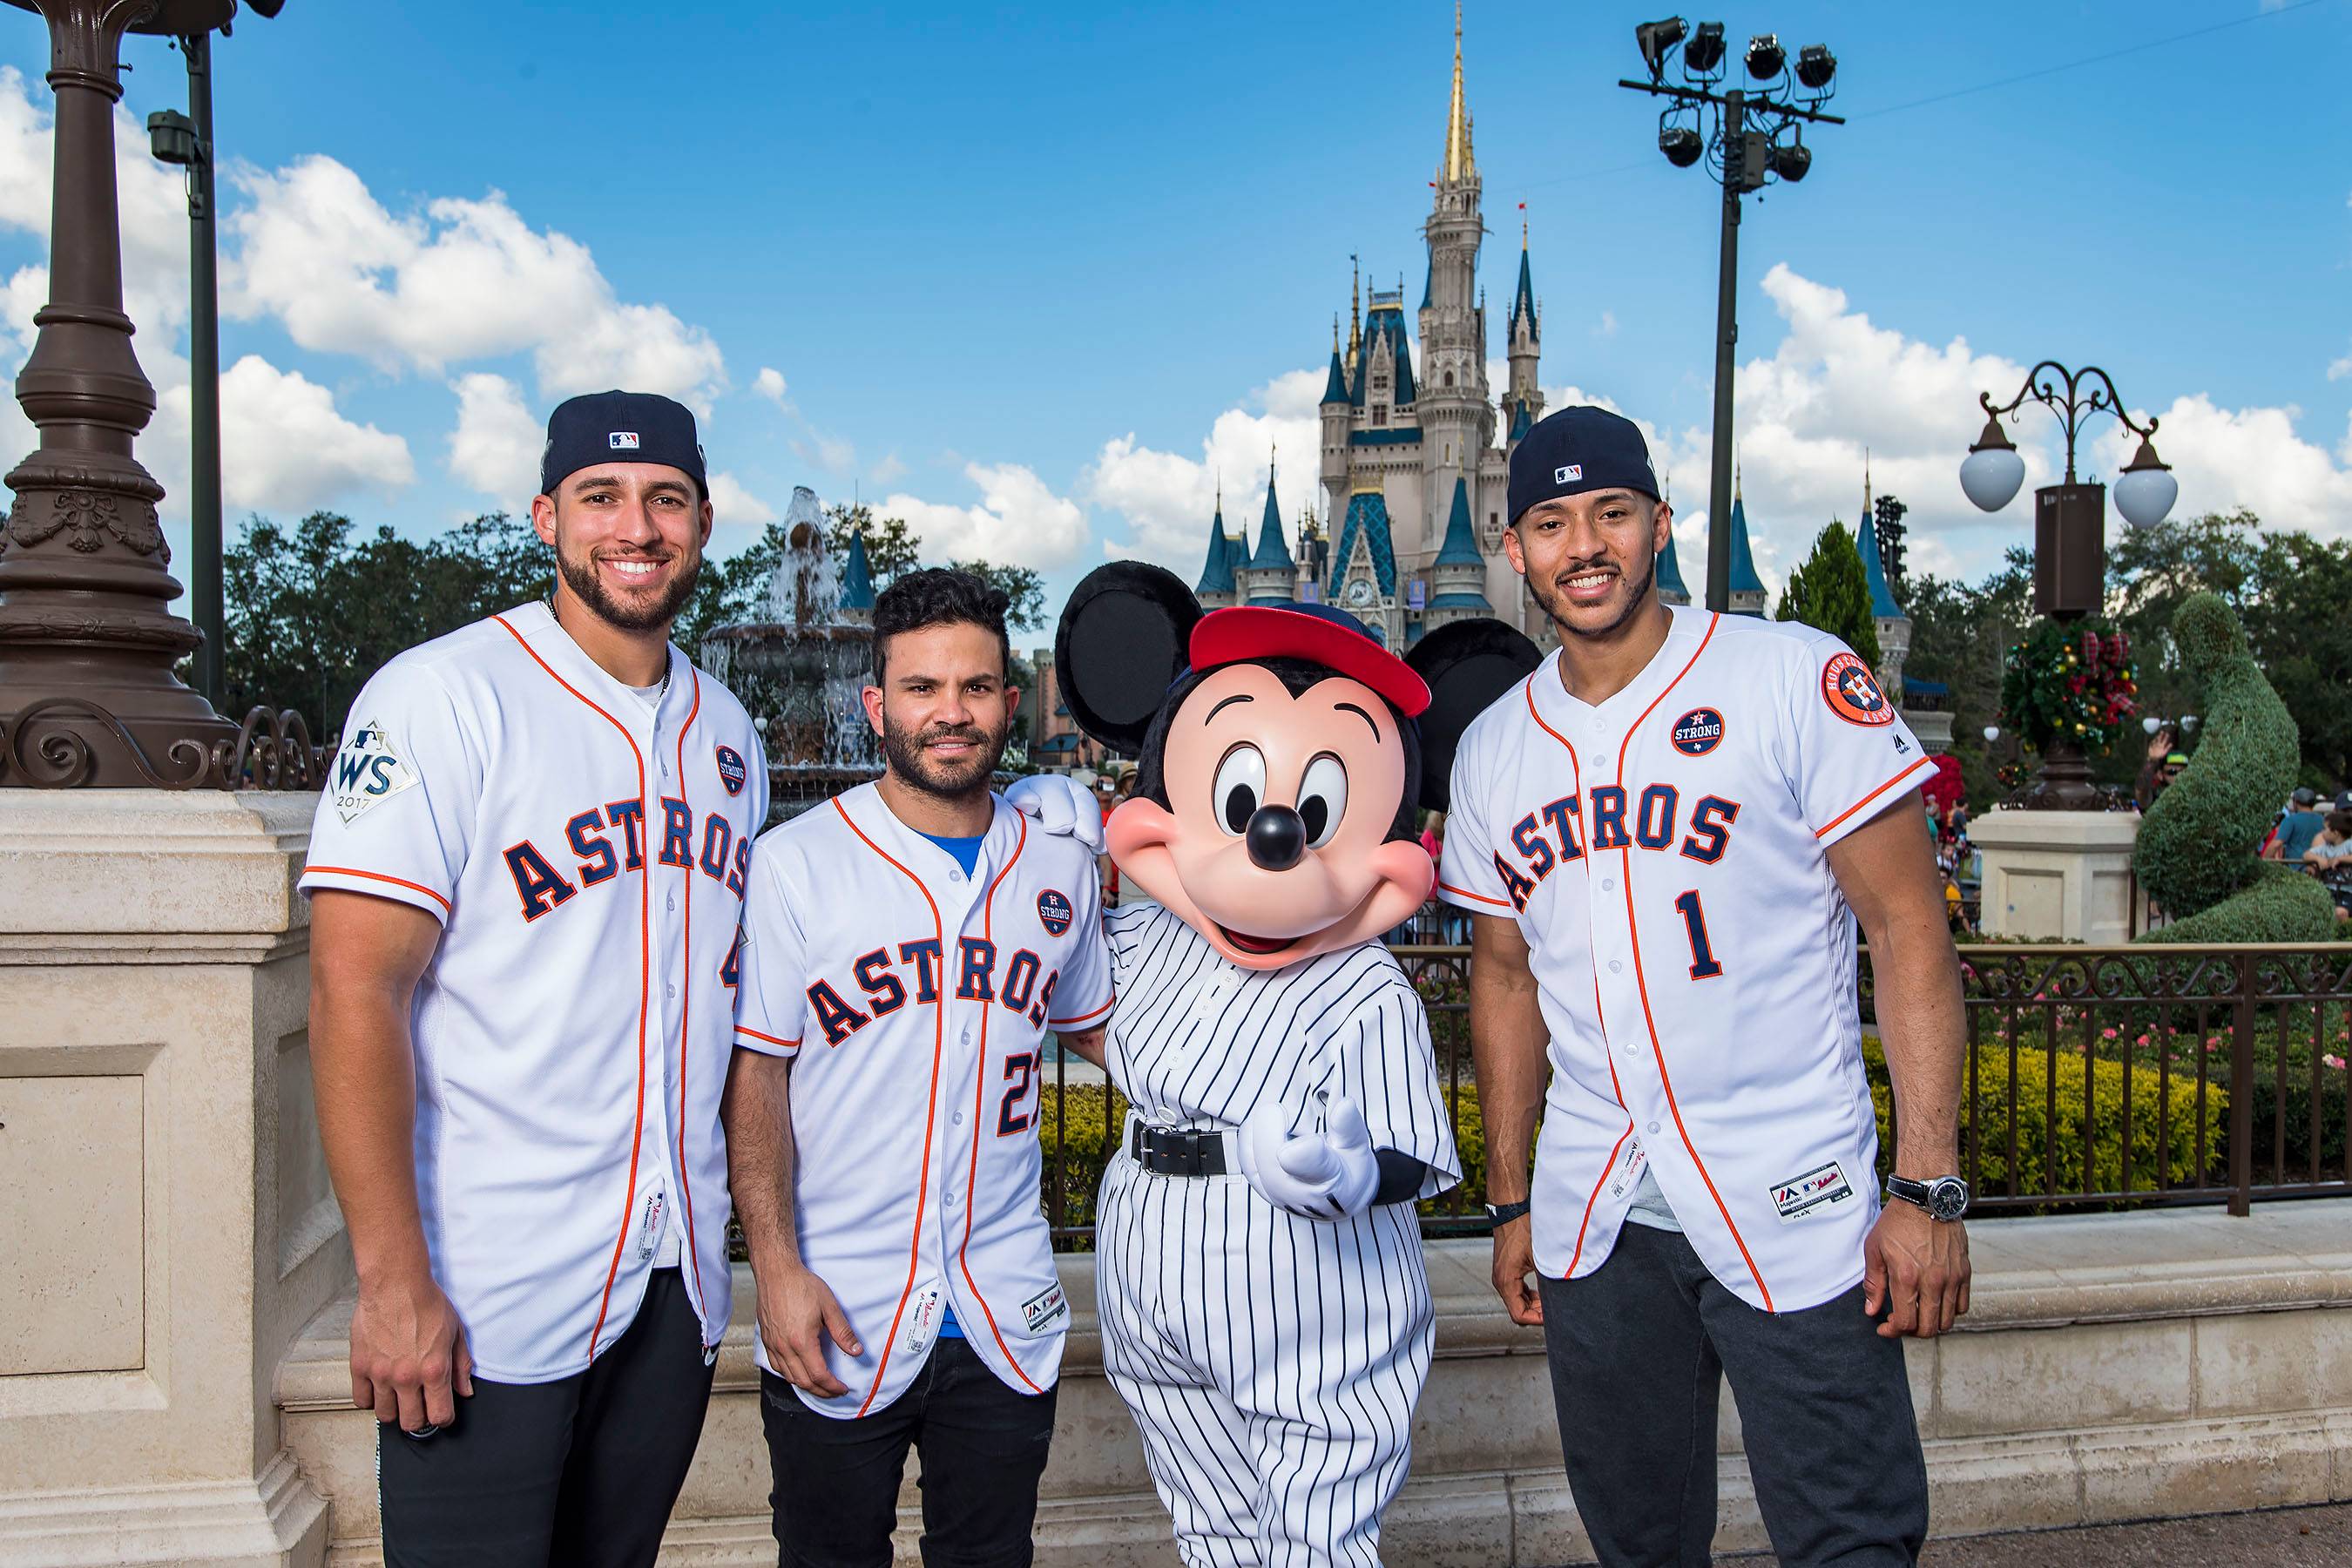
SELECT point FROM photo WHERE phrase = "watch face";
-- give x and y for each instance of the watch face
(1948, 1199)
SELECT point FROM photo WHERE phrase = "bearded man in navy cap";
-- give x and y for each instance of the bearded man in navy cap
(527, 877)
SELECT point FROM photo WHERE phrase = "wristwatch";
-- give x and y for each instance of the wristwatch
(1943, 1198)
(1504, 1214)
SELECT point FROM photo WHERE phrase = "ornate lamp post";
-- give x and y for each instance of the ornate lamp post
(2070, 525)
(87, 636)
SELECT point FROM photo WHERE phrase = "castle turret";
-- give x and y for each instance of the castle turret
(1216, 589)
(1336, 411)
(1271, 577)
(1457, 578)
(858, 582)
(1525, 332)
(1894, 626)
(1670, 576)
(1455, 417)
(1746, 587)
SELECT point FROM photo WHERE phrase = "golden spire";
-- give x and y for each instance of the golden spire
(1459, 163)
(1865, 485)
(1734, 484)
(1355, 311)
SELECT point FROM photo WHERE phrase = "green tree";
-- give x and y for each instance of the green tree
(1960, 632)
(1830, 593)
(1023, 587)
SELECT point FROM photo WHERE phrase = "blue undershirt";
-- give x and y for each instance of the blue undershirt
(966, 852)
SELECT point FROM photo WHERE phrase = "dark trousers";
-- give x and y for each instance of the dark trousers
(1639, 1350)
(580, 1472)
(837, 1481)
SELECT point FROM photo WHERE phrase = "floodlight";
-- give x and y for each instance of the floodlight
(1682, 146)
(1816, 65)
(1704, 53)
(1657, 40)
(1766, 58)
(1790, 162)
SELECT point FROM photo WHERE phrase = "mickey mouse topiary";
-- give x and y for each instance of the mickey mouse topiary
(2195, 853)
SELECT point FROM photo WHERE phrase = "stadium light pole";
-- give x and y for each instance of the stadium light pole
(1749, 136)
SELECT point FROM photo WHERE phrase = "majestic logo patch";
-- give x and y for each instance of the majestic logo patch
(1852, 693)
(624, 440)
(1816, 1192)
(366, 772)
(730, 769)
(1043, 1309)
(1568, 473)
(1698, 732)
(1054, 913)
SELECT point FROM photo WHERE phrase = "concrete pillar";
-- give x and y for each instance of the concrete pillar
(168, 1225)
(2063, 874)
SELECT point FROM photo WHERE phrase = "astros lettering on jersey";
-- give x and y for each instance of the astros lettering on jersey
(585, 853)
(1665, 853)
(915, 1001)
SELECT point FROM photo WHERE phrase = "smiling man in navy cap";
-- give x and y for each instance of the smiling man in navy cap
(528, 874)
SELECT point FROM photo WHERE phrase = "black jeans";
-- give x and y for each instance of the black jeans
(837, 1481)
(580, 1472)
(1639, 1350)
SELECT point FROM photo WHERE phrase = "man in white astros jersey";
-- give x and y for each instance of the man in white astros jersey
(1666, 835)
(525, 880)
(907, 948)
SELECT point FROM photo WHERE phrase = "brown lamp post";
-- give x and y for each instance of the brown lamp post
(87, 636)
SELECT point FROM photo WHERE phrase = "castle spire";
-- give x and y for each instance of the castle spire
(1865, 484)
(1459, 163)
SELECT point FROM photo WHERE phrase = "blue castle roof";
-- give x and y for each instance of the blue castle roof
(1460, 544)
(1386, 315)
(1523, 303)
(1743, 564)
(1368, 515)
(1217, 571)
(1669, 571)
(1882, 597)
(1273, 554)
(857, 577)
(1522, 422)
(1335, 385)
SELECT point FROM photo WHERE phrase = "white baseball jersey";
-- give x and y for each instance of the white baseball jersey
(585, 851)
(1666, 854)
(1272, 1363)
(914, 1001)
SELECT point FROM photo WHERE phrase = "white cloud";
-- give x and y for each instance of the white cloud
(1166, 499)
(831, 453)
(311, 246)
(2338, 369)
(887, 469)
(2229, 457)
(284, 446)
(495, 446)
(1019, 521)
(1608, 327)
(770, 384)
(731, 503)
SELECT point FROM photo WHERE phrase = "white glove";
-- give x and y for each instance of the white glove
(1060, 807)
(1329, 1174)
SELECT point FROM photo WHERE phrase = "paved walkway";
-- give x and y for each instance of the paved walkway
(2281, 1538)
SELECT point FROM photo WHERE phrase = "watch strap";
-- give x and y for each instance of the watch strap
(1504, 1214)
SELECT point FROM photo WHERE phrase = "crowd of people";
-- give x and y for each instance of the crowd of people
(2315, 834)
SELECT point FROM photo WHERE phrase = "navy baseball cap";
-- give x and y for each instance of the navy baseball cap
(1576, 449)
(620, 427)
(1315, 632)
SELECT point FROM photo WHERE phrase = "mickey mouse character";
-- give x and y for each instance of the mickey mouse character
(1265, 1310)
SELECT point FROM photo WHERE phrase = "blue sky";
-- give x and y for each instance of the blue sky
(1038, 276)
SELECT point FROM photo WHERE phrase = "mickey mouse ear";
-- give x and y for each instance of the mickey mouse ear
(1120, 645)
(1468, 665)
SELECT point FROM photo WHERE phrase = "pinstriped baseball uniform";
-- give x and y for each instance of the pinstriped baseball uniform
(1664, 851)
(1272, 1362)
(584, 848)
(914, 1000)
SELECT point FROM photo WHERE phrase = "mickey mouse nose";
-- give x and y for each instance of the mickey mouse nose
(1278, 838)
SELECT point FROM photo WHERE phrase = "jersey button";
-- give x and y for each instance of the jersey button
(955, 876)
(958, 1121)
(1609, 884)
(1653, 1127)
(1615, 967)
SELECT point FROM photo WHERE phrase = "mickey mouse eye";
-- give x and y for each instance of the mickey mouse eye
(1240, 785)
(1322, 799)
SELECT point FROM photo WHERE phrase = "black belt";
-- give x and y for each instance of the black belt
(1176, 1152)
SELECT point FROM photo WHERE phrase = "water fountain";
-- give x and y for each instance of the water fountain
(800, 669)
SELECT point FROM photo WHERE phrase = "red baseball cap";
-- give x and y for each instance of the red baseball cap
(1314, 632)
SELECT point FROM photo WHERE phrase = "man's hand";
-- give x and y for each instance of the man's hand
(1324, 1175)
(1514, 1259)
(795, 1308)
(409, 1359)
(1917, 1267)
(1060, 805)
(2159, 745)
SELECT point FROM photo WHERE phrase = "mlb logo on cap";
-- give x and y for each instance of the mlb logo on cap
(624, 441)
(1567, 475)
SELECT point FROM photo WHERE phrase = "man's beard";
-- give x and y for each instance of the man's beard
(910, 759)
(588, 587)
(1550, 599)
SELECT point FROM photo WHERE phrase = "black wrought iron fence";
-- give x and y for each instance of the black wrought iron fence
(2096, 1077)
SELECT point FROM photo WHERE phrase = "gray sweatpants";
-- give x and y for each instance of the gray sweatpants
(1639, 1350)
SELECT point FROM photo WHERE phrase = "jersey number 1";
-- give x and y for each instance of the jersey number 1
(1703, 961)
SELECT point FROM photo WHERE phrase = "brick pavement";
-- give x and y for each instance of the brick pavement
(2317, 1537)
